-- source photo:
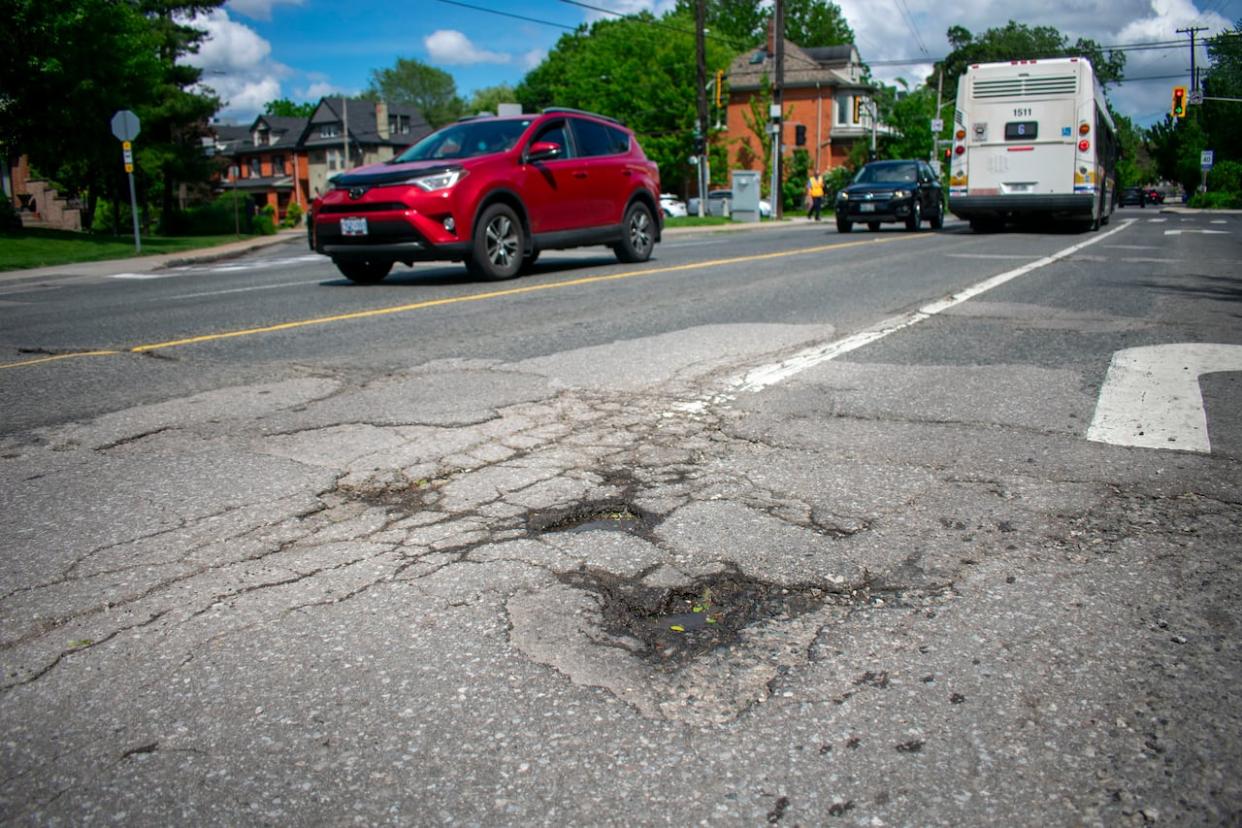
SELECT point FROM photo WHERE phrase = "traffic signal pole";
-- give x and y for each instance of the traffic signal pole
(700, 48)
(778, 35)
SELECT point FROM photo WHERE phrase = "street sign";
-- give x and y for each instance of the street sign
(125, 125)
(1205, 160)
(937, 124)
(1196, 97)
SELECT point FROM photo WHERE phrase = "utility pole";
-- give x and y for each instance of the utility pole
(345, 130)
(778, 35)
(935, 159)
(700, 48)
(1194, 76)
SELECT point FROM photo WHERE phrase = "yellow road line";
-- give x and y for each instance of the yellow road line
(474, 297)
(58, 357)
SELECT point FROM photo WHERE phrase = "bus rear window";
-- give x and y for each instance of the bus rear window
(1021, 130)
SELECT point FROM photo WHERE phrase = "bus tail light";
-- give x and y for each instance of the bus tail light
(1084, 128)
(1084, 145)
(960, 134)
(959, 149)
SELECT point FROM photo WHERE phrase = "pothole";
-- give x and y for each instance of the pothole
(604, 516)
(670, 627)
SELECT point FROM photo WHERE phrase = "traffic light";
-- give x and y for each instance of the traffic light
(857, 109)
(1179, 102)
(800, 135)
(719, 83)
(700, 144)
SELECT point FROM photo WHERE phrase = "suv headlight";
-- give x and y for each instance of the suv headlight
(901, 193)
(437, 181)
(843, 196)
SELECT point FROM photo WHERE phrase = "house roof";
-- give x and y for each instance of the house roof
(363, 128)
(838, 66)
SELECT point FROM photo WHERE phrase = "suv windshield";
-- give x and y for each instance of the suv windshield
(466, 140)
(874, 173)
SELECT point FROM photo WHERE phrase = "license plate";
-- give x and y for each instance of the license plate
(866, 208)
(353, 227)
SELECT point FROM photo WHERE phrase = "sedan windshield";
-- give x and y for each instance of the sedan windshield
(466, 140)
(894, 173)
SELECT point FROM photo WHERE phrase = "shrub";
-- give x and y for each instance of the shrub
(1216, 200)
(9, 219)
(1226, 176)
(265, 221)
(293, 215)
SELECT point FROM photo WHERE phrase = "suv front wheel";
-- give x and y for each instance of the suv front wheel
(638, 235)
(496, 252)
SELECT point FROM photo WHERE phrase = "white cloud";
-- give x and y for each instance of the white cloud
(533, 58)
(321, 89)
(451, 47)
(259, 9)
(237, 65)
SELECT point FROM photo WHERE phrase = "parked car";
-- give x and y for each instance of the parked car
(1133, 195)
(1155, 197)
(672, 205)
(891, 191)
(494, 192)
(716, 199)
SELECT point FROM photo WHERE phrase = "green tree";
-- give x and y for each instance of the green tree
(810, 23)
(430, 90)
(285, 108)
(637, 72)
(1017, 41)
(908, 116)
(76, 66)
(489, 98)
(1223, 80)
(1135, 166)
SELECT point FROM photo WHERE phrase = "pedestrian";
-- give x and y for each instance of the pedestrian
(815, 192)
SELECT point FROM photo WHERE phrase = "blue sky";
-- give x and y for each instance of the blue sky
(259, 50)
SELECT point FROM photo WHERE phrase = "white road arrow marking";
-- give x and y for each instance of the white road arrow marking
(1151, 396)
(1204, 232)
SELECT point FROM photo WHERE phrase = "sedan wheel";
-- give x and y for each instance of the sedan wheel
(916, 216)
(498, 241)
(937, 219)
(844, 225)
(639, 239)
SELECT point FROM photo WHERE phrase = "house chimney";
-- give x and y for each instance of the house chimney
(381, 119)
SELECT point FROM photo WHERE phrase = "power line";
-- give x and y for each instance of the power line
(508, 14)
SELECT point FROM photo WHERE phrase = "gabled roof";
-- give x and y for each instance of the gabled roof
(285, 131)
(363, 129)
(838, 66)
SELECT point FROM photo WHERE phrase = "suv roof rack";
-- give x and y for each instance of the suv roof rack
(478, 117)
(582, 112)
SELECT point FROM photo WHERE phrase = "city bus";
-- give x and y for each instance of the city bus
(1032, 138)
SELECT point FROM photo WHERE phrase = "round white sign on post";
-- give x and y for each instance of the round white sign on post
(125, 125)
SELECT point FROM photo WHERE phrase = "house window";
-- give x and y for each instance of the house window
(233, 172)
(329, 130)
(335, 161)
(255, 172)
(278, 165)
(843, 109)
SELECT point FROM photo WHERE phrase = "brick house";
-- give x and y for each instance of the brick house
(819, 92)
(377, 131)
(282, 160)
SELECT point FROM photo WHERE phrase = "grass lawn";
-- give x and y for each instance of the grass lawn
(40, 248)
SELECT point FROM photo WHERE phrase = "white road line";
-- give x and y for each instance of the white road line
(1132, 246)
(768, 375)
(1156, 221)
(304, 282)
(1144, 260)
(1204, 232)
(1151, 396)
(141, 275)
(1219, 221)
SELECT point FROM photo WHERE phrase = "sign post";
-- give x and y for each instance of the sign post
(125, 127)
(1206, 158)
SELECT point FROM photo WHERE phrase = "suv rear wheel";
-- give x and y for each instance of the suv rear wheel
(363, 271)
(498, 243)
(637, 238)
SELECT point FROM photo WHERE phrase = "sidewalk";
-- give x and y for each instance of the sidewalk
(146, 264)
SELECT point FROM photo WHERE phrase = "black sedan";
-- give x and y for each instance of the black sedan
(1133, 195)
(891, 191)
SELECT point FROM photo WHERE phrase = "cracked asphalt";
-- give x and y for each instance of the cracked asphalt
(334, 599)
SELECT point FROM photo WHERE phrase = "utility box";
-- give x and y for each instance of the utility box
(745, 195)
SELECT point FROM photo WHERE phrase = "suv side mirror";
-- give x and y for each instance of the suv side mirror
(543, 151)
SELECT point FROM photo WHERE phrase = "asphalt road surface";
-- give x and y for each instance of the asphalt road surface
(781, 527)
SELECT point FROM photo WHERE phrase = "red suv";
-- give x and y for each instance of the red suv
(494, 192)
